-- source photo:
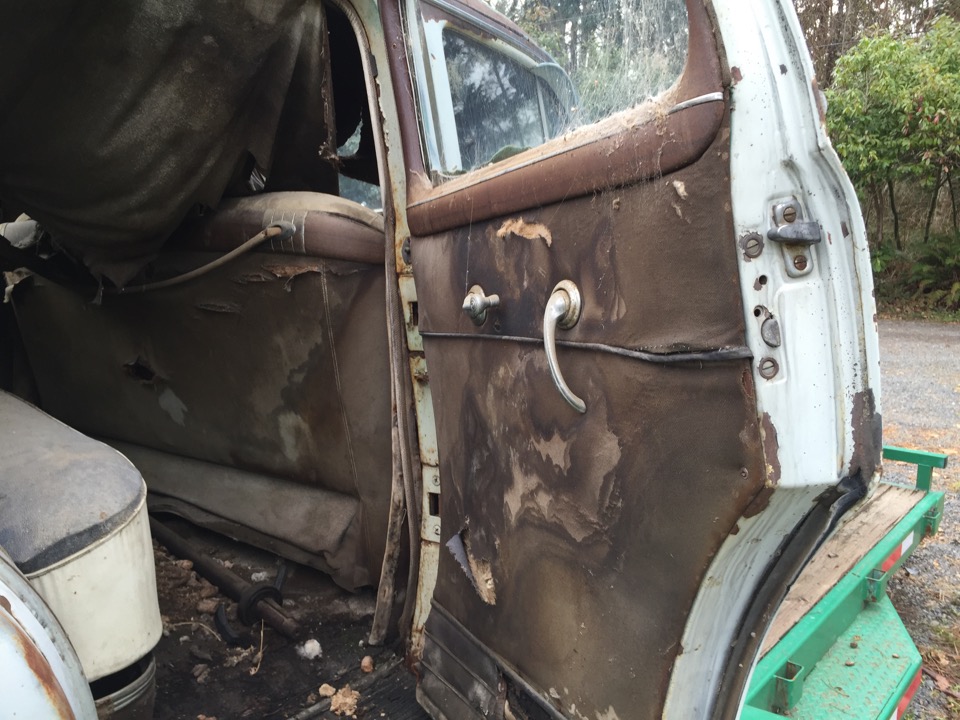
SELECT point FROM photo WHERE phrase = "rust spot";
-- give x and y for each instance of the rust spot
(247, 278)
(5, 604)
(759, 503)
(783, 69)
(771, 449)
(867, 435)
(844, 229)
(292, 270)
(44, 674)
(737, 75)
(736, 529)
(528, 231)
(821, 103)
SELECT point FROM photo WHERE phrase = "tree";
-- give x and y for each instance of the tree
(832, 27)
(894, 116)
(617, 52)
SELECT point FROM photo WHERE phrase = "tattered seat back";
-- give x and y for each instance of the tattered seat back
(256, 398)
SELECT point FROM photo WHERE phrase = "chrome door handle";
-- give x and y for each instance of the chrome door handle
(476, 304)
(563, 310)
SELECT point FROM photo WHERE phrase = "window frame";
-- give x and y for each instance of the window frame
(649, 139)
(427, 24)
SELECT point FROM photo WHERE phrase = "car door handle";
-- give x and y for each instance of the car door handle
(477, 303)
(563, 310)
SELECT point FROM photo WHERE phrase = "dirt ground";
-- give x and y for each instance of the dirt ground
(920, 373)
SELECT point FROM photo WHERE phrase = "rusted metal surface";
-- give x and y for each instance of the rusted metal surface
(867, 436)
(770, 449)
(42, 671)
(646, 142)
(405, 109)
(393, 552)
(29, 653)
(592, 524)
(231, 584)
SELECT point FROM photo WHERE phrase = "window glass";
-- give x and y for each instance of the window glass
(618, 53)
(496, 102)
(364, 193)
(486, 96)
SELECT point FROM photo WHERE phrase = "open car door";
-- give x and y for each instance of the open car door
(651, 395)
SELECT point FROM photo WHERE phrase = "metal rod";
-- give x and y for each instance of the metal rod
(229, 583)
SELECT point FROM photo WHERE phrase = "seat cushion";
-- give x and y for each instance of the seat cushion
(60, 491)
(327, 227)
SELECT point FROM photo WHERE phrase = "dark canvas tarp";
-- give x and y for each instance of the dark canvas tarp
(119, 116)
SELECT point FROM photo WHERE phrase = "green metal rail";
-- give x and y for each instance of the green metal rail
(925, 462)
(850, 656)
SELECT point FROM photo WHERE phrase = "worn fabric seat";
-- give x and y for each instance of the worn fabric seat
(60, 491)
(73, 518)
(255, 399)
(328, 226)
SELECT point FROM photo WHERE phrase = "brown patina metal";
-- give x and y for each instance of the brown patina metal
(575, 532)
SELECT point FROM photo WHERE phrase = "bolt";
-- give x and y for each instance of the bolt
(768, 368)
(752, 245)
(800, 262)
(790, 213)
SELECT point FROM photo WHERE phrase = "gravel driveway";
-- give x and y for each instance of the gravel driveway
(920, 369)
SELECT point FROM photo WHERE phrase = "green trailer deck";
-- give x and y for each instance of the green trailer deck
(837, 648)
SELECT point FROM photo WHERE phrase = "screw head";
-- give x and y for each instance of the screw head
(752, 245)
(800, 262)
(768, 368)
(790, 214)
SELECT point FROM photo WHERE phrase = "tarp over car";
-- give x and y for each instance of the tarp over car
(121, 116)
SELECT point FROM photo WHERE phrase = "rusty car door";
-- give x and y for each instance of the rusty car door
(576, 541)
(579, 297)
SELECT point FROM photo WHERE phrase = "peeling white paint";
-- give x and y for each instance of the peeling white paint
(293, 430)
(528, 231)
(609, 714)
(556, 450)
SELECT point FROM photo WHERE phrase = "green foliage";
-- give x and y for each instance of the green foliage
(617, 52)
(869, 103)
(894, 117)
(894, 107)
(934, 272)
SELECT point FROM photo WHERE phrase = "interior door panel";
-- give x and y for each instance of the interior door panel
(579, 530)
(576, 543)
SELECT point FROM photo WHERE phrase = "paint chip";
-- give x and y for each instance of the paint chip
(528, 231)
